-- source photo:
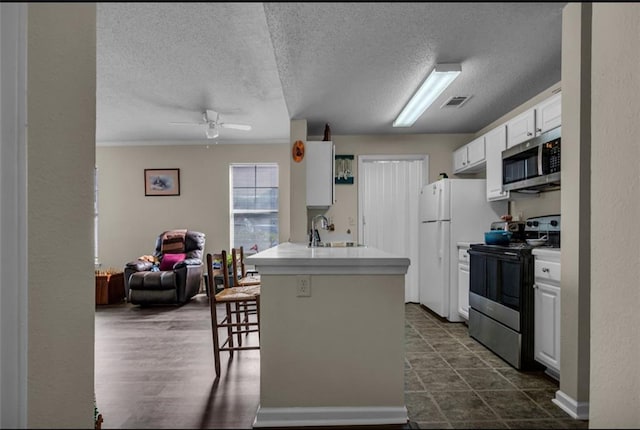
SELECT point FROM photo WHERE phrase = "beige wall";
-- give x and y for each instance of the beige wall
(129, 221)
(439, 147)
(547, 203)
(574, 320)
(312, 345)
(61, 100)
(298, 184)
(615, 187)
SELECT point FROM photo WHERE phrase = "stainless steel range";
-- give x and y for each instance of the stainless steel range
(501, 300)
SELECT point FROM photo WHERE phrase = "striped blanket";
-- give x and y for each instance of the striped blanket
(173, 241)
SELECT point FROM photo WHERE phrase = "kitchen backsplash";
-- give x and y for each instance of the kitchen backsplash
(547, 203)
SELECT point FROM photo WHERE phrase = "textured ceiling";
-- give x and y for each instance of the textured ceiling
(353, 65)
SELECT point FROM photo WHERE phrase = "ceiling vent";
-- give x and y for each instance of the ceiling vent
(455, 102)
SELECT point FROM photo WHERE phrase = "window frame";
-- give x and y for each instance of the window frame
(233, 211)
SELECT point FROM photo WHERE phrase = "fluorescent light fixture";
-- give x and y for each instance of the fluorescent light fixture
(439, 79)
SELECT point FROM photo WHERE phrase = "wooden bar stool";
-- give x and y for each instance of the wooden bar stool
(245, 300)
(243, 277)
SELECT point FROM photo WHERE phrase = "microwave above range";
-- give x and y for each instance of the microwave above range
(533, 165)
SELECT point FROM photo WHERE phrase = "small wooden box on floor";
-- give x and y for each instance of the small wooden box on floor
(109, 288)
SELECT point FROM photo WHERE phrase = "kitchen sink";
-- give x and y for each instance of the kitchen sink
(339, 244)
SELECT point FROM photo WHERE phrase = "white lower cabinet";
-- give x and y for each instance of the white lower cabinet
(463, 281)
(547, 310)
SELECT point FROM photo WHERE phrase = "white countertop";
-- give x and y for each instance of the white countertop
(465, 245)
(543, 251)
(298, 258)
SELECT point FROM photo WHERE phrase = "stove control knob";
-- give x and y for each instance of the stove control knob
(554, 223)
(529, 223)
(535, 223)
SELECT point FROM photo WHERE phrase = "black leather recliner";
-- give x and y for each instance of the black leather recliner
(146, 285)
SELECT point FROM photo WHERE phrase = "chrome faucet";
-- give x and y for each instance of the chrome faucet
(315, 237)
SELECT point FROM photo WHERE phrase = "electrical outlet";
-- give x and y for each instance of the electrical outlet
(303, 286)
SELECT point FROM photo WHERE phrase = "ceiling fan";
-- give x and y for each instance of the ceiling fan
(211, 119)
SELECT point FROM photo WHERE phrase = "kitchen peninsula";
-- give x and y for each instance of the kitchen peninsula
(332, 336)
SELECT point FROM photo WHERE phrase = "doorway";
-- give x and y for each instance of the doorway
(388, 196)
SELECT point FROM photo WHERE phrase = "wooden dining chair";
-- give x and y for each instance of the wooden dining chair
(238, 300)
(243, 277)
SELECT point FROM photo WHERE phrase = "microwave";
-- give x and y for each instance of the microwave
(533, 165)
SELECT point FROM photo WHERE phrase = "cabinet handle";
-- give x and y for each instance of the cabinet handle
(535, 286)
(539, 130)
(529, 133)
(545, 270)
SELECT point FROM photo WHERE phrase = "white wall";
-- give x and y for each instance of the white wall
(615, 191)
(61, 108)
(129, 221)
(576, 204)
(439, 147)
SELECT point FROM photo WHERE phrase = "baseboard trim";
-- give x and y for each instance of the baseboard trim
(577, 410)
(330, 416)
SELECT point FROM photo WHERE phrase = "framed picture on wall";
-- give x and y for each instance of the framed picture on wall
(161, 182)
(343, 169)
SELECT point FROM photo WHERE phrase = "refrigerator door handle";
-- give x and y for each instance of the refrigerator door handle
(438, 209)
(440, 240)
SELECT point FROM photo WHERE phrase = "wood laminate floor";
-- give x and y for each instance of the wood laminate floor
(154, 369)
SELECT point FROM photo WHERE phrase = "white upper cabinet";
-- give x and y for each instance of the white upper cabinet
(543, 117)
(495, 142)
(319, 158)
(549, 114)
(521, 128)
(469, 158)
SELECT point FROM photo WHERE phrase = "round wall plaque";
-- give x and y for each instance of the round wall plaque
(298, 151)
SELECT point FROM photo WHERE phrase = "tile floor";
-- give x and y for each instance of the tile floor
(452, 381)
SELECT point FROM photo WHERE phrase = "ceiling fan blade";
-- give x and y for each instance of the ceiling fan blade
(187, 123)
(245, 127)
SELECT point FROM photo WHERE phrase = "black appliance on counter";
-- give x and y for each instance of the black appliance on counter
(501, 295)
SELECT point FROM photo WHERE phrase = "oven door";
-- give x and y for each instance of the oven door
(495, 286)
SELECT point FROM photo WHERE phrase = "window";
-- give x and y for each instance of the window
(254, 206)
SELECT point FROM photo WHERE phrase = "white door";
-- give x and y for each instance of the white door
(13, 216)
(547, 325)
(388, 206)
(496, 142)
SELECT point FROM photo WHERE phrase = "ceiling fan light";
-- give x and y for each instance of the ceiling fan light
(212, 131)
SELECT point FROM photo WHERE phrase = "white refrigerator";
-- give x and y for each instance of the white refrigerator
(451, 211)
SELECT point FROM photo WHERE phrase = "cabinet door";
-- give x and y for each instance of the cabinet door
(320, 181)
(521, 128)
(463, 290)
(547, 325)
(476, 151)
(460, 159)
(495, 142)
(549, 114)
